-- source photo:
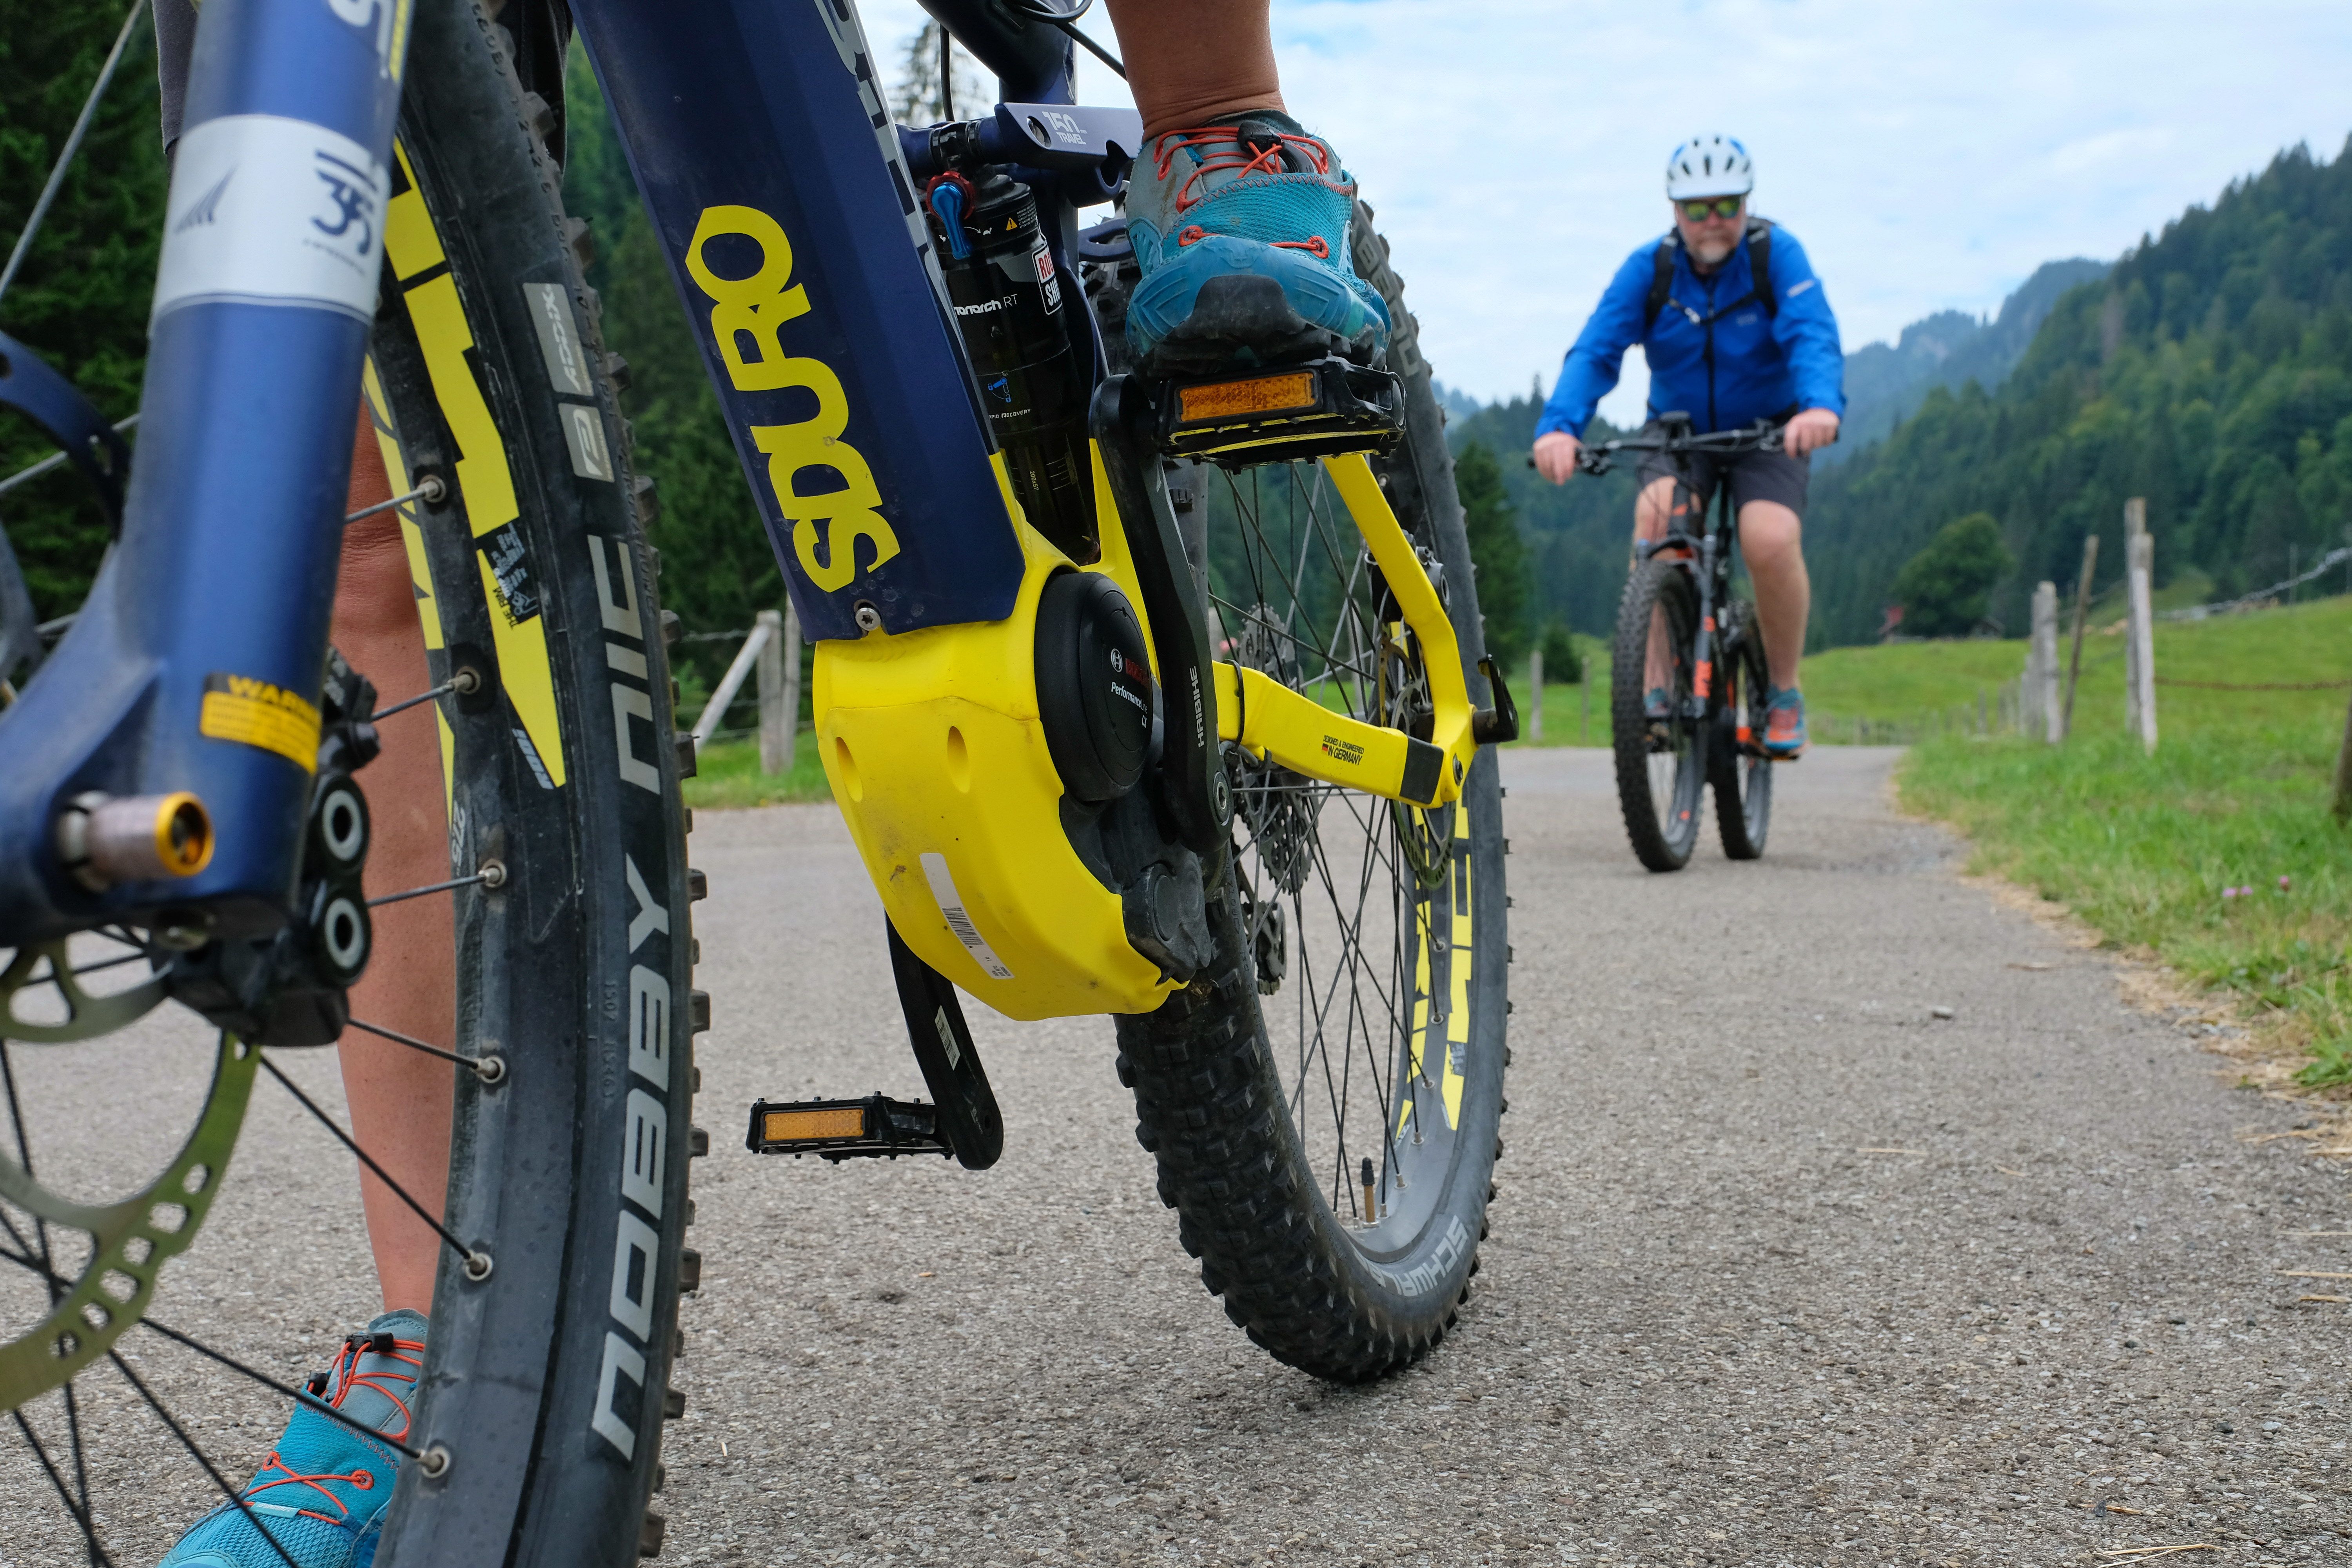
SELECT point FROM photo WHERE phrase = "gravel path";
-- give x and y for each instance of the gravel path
(1785, 1271)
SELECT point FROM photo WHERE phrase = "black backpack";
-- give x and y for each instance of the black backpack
(1760, 265)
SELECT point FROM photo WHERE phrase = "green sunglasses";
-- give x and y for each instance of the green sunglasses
(1718, 206)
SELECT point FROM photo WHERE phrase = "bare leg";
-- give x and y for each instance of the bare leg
(399, 1098)
(1651, 510)
(1771, 541)
(1196, 64)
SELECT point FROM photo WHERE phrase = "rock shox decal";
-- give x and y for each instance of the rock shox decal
(255, 713)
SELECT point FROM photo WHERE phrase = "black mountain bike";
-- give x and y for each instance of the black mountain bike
(1679, 629)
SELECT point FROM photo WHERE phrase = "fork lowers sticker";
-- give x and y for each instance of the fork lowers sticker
(266, 210)
(255, 713)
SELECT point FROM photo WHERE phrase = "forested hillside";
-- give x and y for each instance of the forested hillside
(1885, 383)
(80, 300)
(2210, 373)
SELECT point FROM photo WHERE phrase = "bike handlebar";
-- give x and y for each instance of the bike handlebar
(1764, 435)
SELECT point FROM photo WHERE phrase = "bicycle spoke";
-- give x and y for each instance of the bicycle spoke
(430, 493)
(489, 1069)
(198, 1454)
(477, 1264)
(81, 1459)
(403, 706)
(25, 1162)
(489, 876)
(81, 1512)
(107, 964)
(73, 145)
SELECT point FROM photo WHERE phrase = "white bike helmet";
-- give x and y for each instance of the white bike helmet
(1709, 166)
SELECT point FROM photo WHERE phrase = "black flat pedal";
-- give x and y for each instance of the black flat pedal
(875, 1127)
(1322, 409)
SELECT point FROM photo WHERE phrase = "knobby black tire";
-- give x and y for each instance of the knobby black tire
(1210, 1101)
(1661, 825)
(547, 1383)
(1741, 775)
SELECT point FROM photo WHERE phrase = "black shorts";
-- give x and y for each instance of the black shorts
(1754, 476)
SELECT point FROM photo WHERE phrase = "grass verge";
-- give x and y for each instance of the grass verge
(727, 775)
(2216, 855)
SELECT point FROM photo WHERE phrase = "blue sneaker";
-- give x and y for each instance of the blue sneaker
(1784, 725)
(1657, 703)
(322, 1491)
(1241, 232)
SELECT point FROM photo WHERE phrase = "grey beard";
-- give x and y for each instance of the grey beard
(1710, 257)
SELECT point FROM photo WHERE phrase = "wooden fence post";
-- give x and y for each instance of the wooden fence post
(2081, 614)
(1535, 694)
(2042, 665)
(2139, 573)
(776, 719)
(2342, 806)
(1584, 701)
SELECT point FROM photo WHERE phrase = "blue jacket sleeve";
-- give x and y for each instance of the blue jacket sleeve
(1805, 330)
(1593, 365)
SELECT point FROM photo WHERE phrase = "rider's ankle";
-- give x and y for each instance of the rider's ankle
(1190, 114)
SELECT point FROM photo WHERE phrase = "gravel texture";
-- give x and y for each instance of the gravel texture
(1786, 1269)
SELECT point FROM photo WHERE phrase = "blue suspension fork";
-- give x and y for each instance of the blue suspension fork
(195, 664)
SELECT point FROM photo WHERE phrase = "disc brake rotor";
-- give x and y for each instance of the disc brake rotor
(129, 1240)
(1278, 804)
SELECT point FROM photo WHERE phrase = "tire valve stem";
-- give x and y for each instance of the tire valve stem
(1371, 1200)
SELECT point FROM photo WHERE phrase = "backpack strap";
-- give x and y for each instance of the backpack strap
(1662, 280)
(1759, 263)
(1759, 240)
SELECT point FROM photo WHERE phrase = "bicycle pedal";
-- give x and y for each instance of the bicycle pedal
(1318, 410)
(875, 1127)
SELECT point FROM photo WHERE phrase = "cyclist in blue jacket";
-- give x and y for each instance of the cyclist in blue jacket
(1735, 328)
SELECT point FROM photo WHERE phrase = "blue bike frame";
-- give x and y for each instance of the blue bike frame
(758, 136)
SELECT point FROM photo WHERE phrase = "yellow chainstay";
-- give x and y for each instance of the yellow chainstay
(1269, 719)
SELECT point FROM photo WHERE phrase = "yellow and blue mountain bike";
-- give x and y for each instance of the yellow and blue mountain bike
(1164, 701)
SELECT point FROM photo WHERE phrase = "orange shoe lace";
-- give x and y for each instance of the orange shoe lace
(349, 1377)
(1230, 154)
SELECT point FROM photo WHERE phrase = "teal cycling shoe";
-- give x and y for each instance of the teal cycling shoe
(1657, 703)
(1241, 233)
(1784, 725)
(322, 1491)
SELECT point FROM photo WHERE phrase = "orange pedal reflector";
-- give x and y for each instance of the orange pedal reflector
(1238, 399)
(791, 1126)
(875, 1127)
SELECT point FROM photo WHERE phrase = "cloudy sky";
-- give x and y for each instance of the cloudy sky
(1930, 156)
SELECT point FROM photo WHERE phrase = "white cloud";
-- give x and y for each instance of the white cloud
(1930, 156)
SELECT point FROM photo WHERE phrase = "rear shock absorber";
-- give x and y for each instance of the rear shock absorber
(1008, 304)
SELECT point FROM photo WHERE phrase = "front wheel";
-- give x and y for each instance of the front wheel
(1661, 749)
(1742, 773)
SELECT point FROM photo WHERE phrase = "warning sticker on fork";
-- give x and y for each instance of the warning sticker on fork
(255, 713)
(943, 888)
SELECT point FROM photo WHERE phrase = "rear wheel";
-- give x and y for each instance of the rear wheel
(1743, 775)
(1661, 757)
(1323, 1101)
